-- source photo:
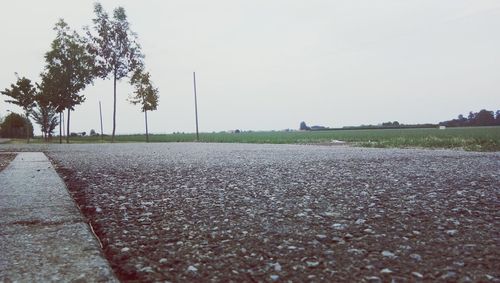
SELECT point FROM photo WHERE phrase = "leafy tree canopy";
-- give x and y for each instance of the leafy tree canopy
(45, 115)
(23, 94)
(481, 118)
(15, 126)
(145, 93)
(115, 46)
(70, 68)
(303, 126)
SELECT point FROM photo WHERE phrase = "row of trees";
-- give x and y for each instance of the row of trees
(481, 118)
(108, 50)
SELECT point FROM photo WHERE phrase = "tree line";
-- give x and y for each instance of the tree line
(481, 118)
(109, 49)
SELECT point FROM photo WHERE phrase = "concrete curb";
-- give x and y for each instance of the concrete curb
(43, 236)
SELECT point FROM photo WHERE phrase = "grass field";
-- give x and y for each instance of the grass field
(472, 139)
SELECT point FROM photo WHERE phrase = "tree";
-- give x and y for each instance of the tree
(485, 118)
(303, 126)
(15, 126)
(115, 48)
(472, 118)
(461, 120)
(23, 94)
(54, 93)
(45, 115)
(70, 68)
(145, 94)
(481, 118)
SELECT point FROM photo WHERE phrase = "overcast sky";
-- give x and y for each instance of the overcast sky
(263, 65)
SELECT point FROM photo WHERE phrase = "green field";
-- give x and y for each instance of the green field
(472, 138)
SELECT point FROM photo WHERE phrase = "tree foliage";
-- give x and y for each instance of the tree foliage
(145, 94)
(69, 69)
(15, 126)
(394, 124)
(45, 115)
(114, 48)
(23, 94)
(304, 127)
(481, 118)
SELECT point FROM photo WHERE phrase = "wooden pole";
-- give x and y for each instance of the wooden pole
(27, 128)
(67, 126)
(100, 115)
(196, 107)
(60, 127)
(62, 123)
(114, 106)
(146, 119)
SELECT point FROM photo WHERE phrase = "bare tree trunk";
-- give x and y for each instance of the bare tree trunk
(114, 107)
(27, 128)
(146, 119)
(67, 127)
(60, 127)
(45, 134)
(100, 115)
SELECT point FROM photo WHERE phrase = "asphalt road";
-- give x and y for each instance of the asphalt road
(240, 212)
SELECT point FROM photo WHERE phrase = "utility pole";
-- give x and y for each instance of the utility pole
(63, 123)
(60, 129)
(196, 107)
(100, 115)
(146, 119)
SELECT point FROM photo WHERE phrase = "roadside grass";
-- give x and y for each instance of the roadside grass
(471, 138)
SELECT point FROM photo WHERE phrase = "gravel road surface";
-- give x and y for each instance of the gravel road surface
(239, 212)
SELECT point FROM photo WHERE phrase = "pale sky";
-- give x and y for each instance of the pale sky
(263, 65)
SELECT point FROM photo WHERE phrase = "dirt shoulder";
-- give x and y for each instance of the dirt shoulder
(5, 159)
